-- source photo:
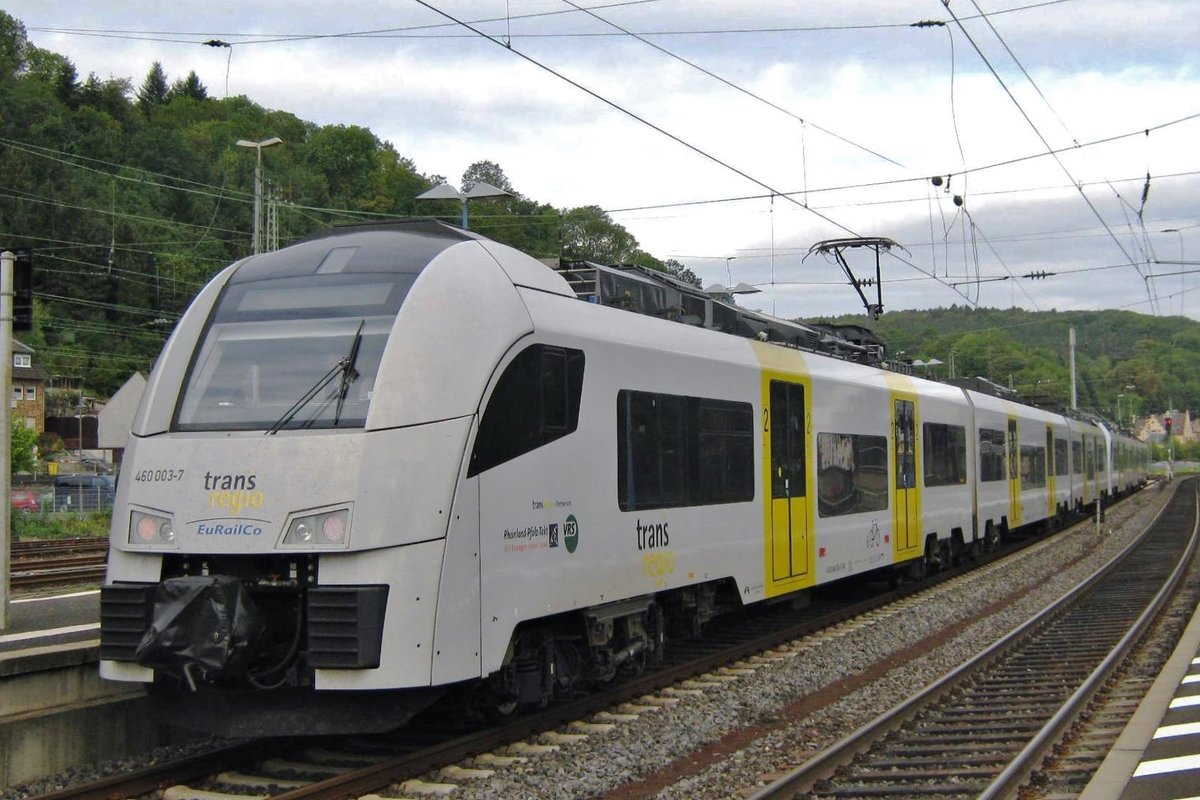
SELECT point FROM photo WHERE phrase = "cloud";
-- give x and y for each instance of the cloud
(919, 96)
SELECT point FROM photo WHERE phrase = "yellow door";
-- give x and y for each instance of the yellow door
(786, 442)
(906, 517)
(1051, 483)
(1014, 475)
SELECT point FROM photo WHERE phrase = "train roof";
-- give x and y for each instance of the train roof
(361, 247)
(660, 294)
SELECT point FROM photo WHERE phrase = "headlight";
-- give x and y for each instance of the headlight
(150, 529)
(326, 529)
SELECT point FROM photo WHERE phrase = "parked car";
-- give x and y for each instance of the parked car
(83, 492)
(24, 500)
(96, 465)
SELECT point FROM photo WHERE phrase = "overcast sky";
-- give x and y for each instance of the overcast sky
(732, 135)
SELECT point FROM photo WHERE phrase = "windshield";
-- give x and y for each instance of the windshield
(266, 360)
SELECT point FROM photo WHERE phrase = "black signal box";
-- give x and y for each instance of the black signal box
(23, 289)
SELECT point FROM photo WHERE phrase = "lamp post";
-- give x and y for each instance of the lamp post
(258, 146)
(444, 191)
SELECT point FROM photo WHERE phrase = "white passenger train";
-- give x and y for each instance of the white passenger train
(397, 458)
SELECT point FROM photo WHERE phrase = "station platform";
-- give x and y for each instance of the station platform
(56, 712)
(38, 621)
(1157, 756)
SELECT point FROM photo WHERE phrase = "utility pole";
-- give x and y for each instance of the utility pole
(7, 265)
(258, 187)
(272, 237)
(1074, 404)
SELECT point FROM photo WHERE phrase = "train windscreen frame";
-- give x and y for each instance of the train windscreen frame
(291, 352)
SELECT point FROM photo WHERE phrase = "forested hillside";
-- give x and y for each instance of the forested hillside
(1152, 361)
(134, 194)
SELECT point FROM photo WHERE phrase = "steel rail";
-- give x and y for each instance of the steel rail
(49, 562)
(824, 764)
(1010, 779)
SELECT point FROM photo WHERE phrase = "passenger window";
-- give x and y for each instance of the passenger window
(675, 451)
(945, 454)
(991, 455)
(851, 473)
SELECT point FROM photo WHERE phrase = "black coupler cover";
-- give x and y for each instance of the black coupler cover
(208, 621)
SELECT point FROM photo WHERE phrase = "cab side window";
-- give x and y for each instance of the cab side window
(535, 402)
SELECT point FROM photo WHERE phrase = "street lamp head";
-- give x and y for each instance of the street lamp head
(274, 140)
(443, 191)
(481, 189)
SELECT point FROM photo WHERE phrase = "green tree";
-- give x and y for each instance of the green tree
(345, 156)
(154, 89)
(488, 172)
(188, 87)
(66, 84)
(589, 234)
(14, 46)
(677, 269)
(22, 442)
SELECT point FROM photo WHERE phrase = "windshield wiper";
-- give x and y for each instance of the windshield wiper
(349, 374)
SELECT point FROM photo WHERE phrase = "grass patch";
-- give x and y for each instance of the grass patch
(64, 525)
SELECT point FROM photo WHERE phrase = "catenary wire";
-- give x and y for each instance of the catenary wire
(1048, 147)
(733, 85)
(699, 151)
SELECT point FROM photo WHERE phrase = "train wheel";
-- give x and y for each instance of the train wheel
(656, 628)
(991, 539)
(933, 556)
(498, 707)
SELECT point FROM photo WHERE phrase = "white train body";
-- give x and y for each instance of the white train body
(494, 472)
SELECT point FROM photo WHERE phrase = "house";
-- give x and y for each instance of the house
(28, 388)
(1154, 429)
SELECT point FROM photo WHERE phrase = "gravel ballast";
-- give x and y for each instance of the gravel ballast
(724, 741)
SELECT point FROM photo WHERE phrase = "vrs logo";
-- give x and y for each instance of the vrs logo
(571, 534)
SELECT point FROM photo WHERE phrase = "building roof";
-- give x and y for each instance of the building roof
(32, 373)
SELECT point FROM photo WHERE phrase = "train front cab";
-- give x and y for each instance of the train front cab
(386, 459)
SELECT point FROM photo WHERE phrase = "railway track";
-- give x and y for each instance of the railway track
(979, 732)
(327, 769)
(50, 562)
